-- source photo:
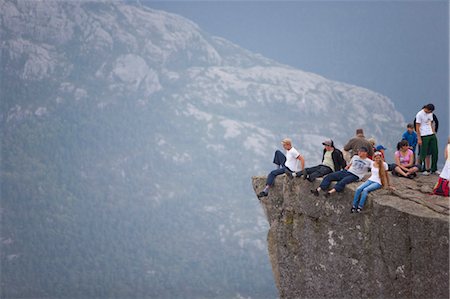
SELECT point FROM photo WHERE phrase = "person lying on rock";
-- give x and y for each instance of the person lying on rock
(332, 160)
(289, 162)
(378, 178)
(356, 170)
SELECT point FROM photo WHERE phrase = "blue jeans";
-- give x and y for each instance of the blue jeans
(342, 177)
(363, 190)
(278, 159)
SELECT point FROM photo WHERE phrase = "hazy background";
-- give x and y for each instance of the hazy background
(129, 134)
(397, 48)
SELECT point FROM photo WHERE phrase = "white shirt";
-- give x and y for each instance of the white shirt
(424, 119)
(359, 166)
(291, 160)
(375, 177)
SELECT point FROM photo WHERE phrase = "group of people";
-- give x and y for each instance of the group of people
(360, 157)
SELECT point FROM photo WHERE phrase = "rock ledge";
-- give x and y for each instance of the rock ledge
(397, 248)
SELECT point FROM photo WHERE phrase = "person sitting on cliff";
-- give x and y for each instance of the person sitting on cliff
(404, 161)
(352, 146)
(443, 185)
(289, 162)
(332, 160)
(356, 170)
(378, 178)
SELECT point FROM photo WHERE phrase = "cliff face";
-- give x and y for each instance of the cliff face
(397, 248)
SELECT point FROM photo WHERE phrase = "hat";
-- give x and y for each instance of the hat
(359, 132)
(363, 149)
(380, 147)
(377, 153)
(328, 142)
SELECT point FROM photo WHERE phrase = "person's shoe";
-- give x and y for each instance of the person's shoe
(410, 176)
(353, 210)
(437, 172)
(358, 210)
(425, 173)
(305, 176)
(315, 192)
(327, 194)
(263, 194)
(288, 173)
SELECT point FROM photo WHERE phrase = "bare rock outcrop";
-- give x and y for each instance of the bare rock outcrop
(398, 247)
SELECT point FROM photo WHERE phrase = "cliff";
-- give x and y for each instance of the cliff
(398, 247)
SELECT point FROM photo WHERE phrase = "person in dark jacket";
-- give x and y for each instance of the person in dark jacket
(332, 160)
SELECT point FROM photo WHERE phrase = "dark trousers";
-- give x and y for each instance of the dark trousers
(429, 146)
(316, 172)
(342, 177)
(278, 159)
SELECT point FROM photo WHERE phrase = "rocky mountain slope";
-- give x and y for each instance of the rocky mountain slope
(128, 137)
(396, 248)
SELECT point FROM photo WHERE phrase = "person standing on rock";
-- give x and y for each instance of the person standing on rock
(378, 178)
(356, 170)
(352, 146)
(286, 163)
(332, 160)
(426, 137)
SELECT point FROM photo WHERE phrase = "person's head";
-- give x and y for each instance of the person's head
(403, 145)
(377, 156)
(380, 148)
(428, 108)
(362, 152)
(328, 144)
(287, 143)
(372, 141)
(410, 127)
(359, 132)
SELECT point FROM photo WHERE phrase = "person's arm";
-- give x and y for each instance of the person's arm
(446, 152)
(419, 139)
(348, 166)
(302, 161)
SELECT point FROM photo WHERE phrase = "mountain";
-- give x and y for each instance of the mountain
(129, 136)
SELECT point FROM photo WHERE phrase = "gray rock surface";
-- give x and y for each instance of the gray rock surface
(398, 247)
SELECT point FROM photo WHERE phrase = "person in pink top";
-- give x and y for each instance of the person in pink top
(404, 161)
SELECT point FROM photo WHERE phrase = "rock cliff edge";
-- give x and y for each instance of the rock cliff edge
(397, 248)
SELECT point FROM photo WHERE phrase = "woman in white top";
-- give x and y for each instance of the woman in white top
(378, 178)
(445, 174)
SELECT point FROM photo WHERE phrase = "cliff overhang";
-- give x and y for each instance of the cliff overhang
(398, 247)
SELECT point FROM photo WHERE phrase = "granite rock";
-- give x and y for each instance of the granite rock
(398, 247)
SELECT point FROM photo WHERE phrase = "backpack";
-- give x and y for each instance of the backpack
(441, 187)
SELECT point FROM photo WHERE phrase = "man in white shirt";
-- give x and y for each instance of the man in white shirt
(356, 170)
(426, 137)
(289, 162)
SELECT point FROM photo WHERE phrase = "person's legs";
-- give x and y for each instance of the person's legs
(346, 179)
(434, 152)
(424, 150)
(370, 187)
(273, 174)
(320, 172)
(358, 192)
(334, 176)
(279, 158)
